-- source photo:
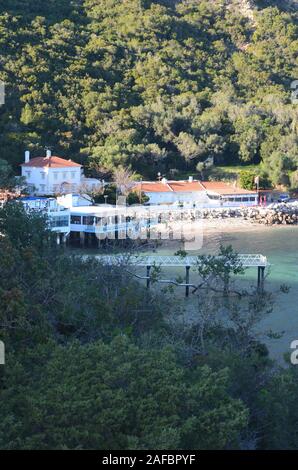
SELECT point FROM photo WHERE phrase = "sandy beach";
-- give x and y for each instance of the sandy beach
(185, 231)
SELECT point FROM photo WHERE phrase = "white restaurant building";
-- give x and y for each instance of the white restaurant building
(58, 216)
(194, 193)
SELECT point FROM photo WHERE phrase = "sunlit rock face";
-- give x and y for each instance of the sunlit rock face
(248, 7)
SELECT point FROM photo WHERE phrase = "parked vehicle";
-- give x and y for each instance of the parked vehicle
(284, 198)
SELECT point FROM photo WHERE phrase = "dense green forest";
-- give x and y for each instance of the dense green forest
(156, 85)
(94, 360)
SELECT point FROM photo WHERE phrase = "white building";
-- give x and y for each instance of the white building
(181, 193)
(57, 215)
(51, 175)
(74, 200)
(229, 196)
(193, 193)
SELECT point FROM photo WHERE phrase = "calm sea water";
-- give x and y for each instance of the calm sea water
(280, 245)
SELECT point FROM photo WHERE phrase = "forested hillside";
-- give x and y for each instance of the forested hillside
(154, 84)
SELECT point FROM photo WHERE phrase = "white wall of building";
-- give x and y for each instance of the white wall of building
(179, 197)
(50, 180)
(74, 200)
(58, 215)
(234, 200)
(201, 198)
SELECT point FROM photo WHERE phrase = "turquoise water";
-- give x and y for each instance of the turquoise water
(280, 245)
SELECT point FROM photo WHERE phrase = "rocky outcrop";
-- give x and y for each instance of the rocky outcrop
(283, 214)
(245, 7)
(277, 214)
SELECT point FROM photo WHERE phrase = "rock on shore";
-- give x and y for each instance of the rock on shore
(275, 214)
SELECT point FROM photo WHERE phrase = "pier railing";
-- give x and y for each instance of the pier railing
(245, 260)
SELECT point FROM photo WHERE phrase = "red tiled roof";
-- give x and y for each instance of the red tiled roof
(50, 162)
(223, 188)
(190, 186)
(6, 195)
(185, 186)
(152, 187)
(168, 186)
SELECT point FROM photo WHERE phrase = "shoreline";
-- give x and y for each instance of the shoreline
(220, 221)
(240, 225)
(219, 227)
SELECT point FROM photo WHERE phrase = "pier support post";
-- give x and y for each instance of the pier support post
(148, 229)
(261, 278)
(148, 277)
(187, 269)
(88, 240)
(82, 239)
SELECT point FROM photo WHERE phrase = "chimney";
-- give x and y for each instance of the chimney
(27, 156)
(49, 153)
(190, 179)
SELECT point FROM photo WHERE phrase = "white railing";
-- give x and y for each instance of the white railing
(109, 228)
(245, 260)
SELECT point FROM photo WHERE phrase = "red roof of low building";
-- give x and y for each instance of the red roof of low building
(152, 187)
(168, 186)
(222, 188)
(50, 162)
(185, 186)
(6, 195)
(217, 187)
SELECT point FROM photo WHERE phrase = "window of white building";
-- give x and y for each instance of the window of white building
(56, 176)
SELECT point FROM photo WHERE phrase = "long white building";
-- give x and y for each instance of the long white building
(196, 194)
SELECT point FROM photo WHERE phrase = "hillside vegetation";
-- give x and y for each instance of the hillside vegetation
(94, 360)
(151, 84)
